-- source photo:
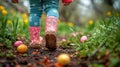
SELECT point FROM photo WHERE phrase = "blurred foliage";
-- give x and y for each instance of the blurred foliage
(11, 26)
(78, 12)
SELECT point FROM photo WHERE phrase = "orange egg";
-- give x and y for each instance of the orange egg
(63, 59)
(22, 48)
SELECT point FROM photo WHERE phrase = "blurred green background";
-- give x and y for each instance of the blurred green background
(79, 12)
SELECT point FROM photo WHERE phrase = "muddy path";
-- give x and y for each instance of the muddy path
(38, 58)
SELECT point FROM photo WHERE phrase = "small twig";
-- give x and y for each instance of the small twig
(99, 47)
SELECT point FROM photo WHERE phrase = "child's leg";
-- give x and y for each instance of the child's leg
(36, 10)
(51, 9)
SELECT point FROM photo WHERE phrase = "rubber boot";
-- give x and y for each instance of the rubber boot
(50, 32)
(36, 41)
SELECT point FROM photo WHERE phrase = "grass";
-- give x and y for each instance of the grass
(103, 38)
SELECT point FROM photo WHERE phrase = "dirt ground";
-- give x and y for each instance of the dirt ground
(39, 58)
(43, 57)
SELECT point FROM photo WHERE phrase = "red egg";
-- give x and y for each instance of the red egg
(17, 43)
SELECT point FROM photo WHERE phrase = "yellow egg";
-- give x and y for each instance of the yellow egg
(22, 48)
(63, 59)
(4, 12)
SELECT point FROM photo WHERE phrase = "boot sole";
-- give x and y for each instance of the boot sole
(51, 40)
